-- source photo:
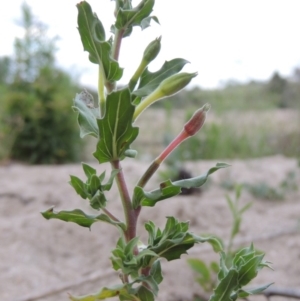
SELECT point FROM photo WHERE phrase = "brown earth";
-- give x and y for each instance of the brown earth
(43, 260)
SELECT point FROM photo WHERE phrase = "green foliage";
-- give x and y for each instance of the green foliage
(245, 266)
(265, 191)
(236, 268)
(37, 126)
(111, 123)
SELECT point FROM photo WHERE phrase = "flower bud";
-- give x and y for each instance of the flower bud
(175, 83)
(197, 120)
(152, 50)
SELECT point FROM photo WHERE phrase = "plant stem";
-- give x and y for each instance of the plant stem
(129, 213)
(147, 101)
(101, 91)
(156, 163)
(117, 43)
(108, 213)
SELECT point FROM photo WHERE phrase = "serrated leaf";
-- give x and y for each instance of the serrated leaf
(79, 217)
(93, 39)
(79, 186)
(150, 80)
(174, 240)
(137, 16)
(104, 293)
(87, 116)
(88, 170)
(169, 189)
(225, 288)
(146, 22)
(116, 130)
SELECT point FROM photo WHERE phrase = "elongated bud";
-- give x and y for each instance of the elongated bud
(197, 120)
(152, 50)
(175, 83)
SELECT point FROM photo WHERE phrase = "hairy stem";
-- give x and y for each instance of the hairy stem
(129, 213)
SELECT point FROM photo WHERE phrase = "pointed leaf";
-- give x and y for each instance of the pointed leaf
(169, 189)
(250, 269)
(104, 293)
(127, 18)
(88, 170)
(146, 22)
(79, 217)
(150, 80)
(93, 39)
(225, 288)
(87, 116)
(79, 186)
(94, 184)
(110, 181)
(257, 290)
(144, 294)
(116, 131)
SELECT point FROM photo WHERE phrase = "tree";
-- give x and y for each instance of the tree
(37, 104)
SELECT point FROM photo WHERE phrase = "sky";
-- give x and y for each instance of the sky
(232, 40)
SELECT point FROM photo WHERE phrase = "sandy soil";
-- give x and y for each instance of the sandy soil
(43, 260)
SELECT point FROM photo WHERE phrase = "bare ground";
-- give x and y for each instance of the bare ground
(43, 260)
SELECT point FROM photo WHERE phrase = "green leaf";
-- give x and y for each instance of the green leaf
(156, 272)
(174, 240)
(93, 39)
(144, 294)
(116, 131)
(98, 201)
(88, 170)
(250, 269)
(247, 292)
(146, 22)
(127, 17)
(94, 184)
(110, 181)
(79, 186)
(200, 267)
(87, 116)
(169, 189)
(150, 80)
(79, 217)
(130, 246)
(225, 288)
(104, 293)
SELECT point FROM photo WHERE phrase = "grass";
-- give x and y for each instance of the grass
(230, 135)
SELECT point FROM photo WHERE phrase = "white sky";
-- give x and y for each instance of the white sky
(223, 40)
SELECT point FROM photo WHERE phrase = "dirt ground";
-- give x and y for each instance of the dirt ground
(44, 260)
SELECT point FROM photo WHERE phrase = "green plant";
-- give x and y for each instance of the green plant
(233, 263)
(111, 121)
(35, 123)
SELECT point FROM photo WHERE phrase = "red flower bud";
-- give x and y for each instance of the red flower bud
(197, 120)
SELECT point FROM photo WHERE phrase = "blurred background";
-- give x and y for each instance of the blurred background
(247, 56)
